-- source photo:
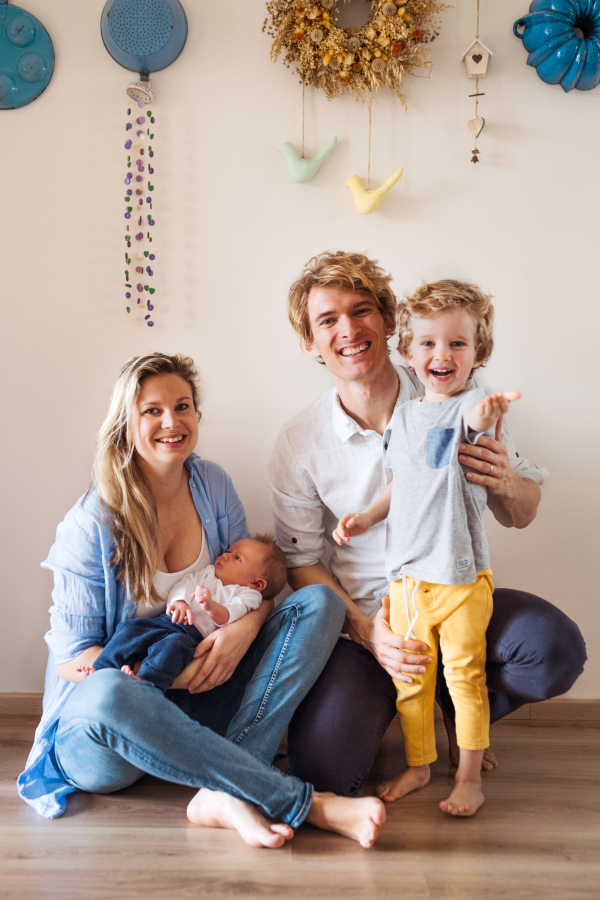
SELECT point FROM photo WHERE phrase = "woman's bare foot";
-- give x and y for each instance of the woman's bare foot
(489, 760)
(84, 671)
(465, 799)
(215, 809)
(358, 819)
(128, 671)
(413, 778)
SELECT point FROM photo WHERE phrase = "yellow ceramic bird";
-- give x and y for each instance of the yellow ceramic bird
(368, 201)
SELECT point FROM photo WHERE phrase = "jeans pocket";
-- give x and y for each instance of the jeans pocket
(439, 447)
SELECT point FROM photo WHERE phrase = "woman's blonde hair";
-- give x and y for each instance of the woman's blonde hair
(430, 299)
(123, 490)
(334, 268)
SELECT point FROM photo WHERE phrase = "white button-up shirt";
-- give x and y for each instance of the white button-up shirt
(325, 465)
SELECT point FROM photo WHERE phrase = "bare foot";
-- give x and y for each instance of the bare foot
(84, 671)
(128, 671)
(357, 819)
(489, 760)
(465, 799)
(215, 809)
(413, 778)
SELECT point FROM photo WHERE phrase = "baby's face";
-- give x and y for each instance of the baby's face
(443, 351)
(243, 563)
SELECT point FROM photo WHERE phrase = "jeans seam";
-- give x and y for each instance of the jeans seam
(166, 771)
(269, 688)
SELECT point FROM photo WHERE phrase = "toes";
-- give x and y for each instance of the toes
(284, 830)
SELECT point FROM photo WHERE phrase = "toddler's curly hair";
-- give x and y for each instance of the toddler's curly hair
(430, 299)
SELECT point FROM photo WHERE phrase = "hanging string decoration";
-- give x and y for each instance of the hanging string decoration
(139, 256)
(143, 36)
(366, 200)
(476, 59)
(356, 60)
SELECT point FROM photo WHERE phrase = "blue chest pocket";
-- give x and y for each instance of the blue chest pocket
(439, 446)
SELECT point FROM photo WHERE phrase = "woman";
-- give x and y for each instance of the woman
(155, 511)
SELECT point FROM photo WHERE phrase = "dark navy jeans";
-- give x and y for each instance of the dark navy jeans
(164, 648)
(534, 652)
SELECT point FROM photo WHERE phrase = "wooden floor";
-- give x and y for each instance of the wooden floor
(536, 837)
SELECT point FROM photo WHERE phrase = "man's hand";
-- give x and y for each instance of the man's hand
(515, 499)
(398, 656)
(349, 526)
(180, 613)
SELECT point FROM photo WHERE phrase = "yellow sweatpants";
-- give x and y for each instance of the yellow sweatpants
(457, 615)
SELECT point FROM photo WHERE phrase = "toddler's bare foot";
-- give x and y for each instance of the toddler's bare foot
(489, 760)
(465, 799)
(128, 671)
(357, 819)
(215, 809)
(84, 671)
(413, 778)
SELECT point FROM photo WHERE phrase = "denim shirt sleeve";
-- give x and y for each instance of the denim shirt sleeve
(219, 507)
(78, 613)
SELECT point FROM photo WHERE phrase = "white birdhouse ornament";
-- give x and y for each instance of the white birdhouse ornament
(476, 59)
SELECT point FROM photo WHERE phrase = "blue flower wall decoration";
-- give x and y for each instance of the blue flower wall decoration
(563, 40)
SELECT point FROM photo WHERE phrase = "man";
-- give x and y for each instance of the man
(329, 460)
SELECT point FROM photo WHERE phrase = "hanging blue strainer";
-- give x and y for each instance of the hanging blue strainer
(144, 36)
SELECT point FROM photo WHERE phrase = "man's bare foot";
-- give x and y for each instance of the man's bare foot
(215, 809)
(128, 671)
(413, 778)
(359, 819)
(84, 671)
(465, 799)
(489, 760)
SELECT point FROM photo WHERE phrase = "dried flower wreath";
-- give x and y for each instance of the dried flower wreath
(359, 60)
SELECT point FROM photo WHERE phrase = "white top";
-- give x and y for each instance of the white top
(236, 597)
(325, 465)
(164, 581)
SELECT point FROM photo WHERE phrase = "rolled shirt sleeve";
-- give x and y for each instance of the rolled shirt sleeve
(298, 511)
(78, 613)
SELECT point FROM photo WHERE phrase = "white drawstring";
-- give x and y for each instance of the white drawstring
(411, 622)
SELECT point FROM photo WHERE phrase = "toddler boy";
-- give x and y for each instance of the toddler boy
(436, 549)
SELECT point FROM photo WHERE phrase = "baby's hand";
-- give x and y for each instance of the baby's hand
(202, 595)
(349, 526)
(180, 613)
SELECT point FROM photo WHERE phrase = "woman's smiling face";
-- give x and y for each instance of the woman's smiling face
(165, 427)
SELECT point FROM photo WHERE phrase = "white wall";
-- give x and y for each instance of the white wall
(232, 232)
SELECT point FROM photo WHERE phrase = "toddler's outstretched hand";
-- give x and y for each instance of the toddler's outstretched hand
(487, 412)
(180, 613)
(349, 526)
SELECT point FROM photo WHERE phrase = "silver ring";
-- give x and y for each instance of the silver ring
(491, 468)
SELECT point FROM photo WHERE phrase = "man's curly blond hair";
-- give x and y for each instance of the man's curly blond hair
(334, 268)
(430, 299)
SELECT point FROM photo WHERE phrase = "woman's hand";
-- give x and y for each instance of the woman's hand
(221, 651)
(349, 526)
(391, 650)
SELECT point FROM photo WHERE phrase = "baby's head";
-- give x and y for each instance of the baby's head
(254, 562)
(446, 332)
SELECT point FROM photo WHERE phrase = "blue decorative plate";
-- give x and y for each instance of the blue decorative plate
(26, 57)
(144, 35)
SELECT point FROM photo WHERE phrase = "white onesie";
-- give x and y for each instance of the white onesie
(238, 599)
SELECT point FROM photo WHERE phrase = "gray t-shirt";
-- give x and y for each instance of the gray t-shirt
(435, 525)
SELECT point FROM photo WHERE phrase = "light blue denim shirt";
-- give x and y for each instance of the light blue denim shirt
(89, 603)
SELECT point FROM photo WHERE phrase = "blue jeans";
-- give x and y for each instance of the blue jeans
(115, 729)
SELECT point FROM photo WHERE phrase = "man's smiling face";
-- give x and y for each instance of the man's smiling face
(348, 332)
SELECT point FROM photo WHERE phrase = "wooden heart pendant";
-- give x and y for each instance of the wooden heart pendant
(476, 126)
